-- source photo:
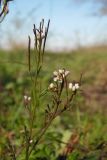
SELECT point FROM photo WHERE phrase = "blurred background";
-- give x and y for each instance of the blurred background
(74, 23)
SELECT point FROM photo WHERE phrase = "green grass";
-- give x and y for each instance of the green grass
(87, 117)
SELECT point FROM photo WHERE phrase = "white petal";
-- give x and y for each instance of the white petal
(51, 86)
(70, 85)
(31, 141)
(67, 72)
(63, 75)
(55, 73)
(76, 85)
(29, 98)
(55, 79)
(73, 88)
(61, 71)
(25, 97)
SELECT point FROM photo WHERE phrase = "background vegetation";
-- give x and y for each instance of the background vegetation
(87, 119)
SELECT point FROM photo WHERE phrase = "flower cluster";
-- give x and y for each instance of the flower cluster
(60, 75)
(74, 86)
(27, 99)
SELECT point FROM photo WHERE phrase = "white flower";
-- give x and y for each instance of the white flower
(67, 72)
(27, 99)
(74, 86)
(55, 73)
(51, 86)
(59, 75)
(56, 79)
(31, 141)
(61, 71)
(70, 85)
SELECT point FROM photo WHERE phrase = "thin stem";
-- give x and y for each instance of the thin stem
(46, 33)
(12, 151)
(44, 130)
(27, 141)
(55, 114)
(29, 45)
(66, 85)
(3, 10)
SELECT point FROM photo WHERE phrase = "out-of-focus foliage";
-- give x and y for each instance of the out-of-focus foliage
(87, 117)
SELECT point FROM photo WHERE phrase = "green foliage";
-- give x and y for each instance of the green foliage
(84, 119)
